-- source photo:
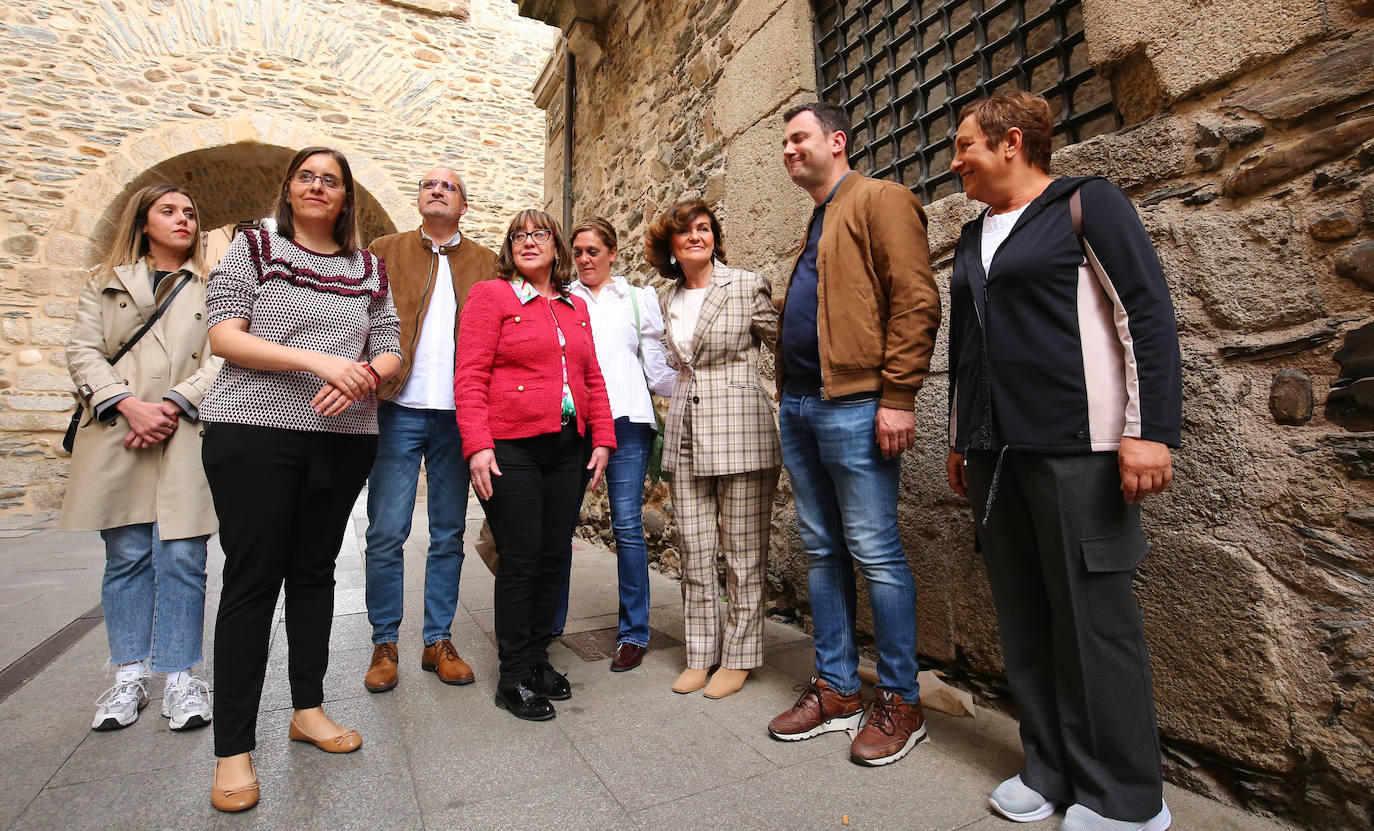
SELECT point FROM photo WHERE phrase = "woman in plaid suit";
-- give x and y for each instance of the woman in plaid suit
(720, 447)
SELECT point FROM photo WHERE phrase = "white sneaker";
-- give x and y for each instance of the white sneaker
(118, 706)
(1018, 802)
(1079, 818)
(187, 704)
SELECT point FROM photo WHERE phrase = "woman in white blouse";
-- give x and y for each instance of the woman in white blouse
(627, 326)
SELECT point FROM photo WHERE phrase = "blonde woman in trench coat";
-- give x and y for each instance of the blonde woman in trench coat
(136, 473)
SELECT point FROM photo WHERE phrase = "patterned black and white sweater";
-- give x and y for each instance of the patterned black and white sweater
(290, 295)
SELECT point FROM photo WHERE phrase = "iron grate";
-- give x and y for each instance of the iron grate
(599, 644)
(904, 68)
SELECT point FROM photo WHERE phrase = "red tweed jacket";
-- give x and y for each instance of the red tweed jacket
(508, 380)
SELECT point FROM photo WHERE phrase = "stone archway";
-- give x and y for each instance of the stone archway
(239, 154)
(230, 183)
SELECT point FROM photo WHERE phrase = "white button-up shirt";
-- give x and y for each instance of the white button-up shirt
(430, 385)
(618, 346)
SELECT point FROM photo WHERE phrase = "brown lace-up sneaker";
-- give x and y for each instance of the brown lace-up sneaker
(893, 728)
(381, 676)
(819, 709)
(442, 659)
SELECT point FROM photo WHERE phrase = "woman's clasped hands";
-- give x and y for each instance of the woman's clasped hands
(345, 382)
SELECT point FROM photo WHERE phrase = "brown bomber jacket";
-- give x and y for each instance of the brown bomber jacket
(410, 267)
(877, 306)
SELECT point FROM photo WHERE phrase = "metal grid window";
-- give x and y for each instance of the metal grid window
(904, 68)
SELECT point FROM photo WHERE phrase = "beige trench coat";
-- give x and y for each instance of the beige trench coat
(110, 485)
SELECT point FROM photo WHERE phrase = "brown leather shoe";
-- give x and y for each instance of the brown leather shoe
(230, 800)
(819, 709)
(627, 656)
(381, 676)
(442, 659)
(893, 728)
(346, 742)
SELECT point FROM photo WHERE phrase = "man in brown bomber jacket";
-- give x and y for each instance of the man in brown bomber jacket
(430, 271)
(855, 338)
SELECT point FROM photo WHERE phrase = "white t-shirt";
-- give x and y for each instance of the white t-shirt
(430, 385)
(996, 229)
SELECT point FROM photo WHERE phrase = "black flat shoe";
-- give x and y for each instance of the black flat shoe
(524, 702)
(551, 684)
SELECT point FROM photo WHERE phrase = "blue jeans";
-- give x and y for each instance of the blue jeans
(153, 595)
(846, 497)
(625, 474)
(406, 435)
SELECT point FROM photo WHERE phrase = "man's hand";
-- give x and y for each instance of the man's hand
(896, 430)
(954, 468)
(1146, 468)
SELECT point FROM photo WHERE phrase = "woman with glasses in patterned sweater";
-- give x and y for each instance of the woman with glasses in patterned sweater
(307, 330)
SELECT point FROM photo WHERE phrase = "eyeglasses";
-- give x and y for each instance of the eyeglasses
(540, 236)
(431, 184)
(308, 177)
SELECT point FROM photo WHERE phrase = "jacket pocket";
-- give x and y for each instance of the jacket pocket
(1110, 563)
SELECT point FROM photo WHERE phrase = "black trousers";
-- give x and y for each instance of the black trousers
(283, 499)
(1061, 546)
(532, 511)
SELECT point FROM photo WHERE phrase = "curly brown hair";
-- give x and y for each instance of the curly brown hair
(658, 241)
(562, 273)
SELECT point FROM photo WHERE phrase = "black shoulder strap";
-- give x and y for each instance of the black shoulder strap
(1076, 211)
(162, 307)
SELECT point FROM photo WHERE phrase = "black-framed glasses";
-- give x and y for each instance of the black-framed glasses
(308, 177)
(444, 184)
(539, 235)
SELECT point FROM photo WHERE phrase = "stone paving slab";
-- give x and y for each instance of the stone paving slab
(625, 752)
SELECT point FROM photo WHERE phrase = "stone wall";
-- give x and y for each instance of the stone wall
(99, 98)
(1248, 147)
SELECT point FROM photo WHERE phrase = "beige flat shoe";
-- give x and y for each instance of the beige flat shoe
(725, 682)
(690, 681)
(231, 800)
(347, 742)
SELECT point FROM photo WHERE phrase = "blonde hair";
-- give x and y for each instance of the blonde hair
(131, 233)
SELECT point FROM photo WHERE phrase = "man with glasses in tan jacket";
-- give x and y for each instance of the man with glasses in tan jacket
(430, 270)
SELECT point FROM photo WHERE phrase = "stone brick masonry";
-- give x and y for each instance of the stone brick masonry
(99, 97)
(1248, 148)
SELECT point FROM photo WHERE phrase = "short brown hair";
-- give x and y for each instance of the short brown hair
(346, 226)
(562, 272)
(599, 226)
(833, 120)
(658, 242)
(997, 114)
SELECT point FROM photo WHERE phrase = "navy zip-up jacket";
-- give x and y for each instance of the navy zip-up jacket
(1049, 355)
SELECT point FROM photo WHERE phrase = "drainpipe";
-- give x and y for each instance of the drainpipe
(569, 99)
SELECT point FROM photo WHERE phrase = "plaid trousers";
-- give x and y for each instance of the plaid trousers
(732, 512)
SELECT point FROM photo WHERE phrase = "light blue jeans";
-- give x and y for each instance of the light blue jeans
(625, 473)
(406, 435)
(153, 595)
(846, 498)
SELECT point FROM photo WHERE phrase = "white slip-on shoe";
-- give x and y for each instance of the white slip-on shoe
(1018, 802)
(1079, 818)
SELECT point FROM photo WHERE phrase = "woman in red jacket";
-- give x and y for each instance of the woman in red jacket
(532, 411)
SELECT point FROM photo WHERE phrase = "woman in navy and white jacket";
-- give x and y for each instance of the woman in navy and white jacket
(1064, 401)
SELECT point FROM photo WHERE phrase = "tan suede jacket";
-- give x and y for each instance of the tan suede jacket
(410, 267)
(877, 306)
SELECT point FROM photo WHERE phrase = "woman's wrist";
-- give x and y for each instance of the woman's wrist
(375, 377)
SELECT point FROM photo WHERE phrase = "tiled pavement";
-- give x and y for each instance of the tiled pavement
(624, 752)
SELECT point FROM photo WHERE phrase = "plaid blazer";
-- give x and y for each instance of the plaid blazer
(733, 428)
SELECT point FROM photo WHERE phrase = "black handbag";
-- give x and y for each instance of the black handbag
(69, 440)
